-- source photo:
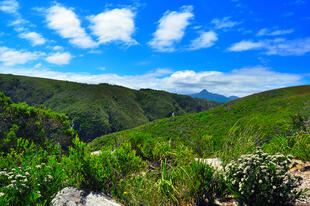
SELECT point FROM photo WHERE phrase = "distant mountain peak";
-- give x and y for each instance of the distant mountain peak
(204, 91)
(205, 94)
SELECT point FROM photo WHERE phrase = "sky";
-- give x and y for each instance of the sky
(229, 47)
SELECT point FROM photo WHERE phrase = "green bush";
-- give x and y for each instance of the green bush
(262, 179)
(29, 175)
(205, 183)
(103, 172)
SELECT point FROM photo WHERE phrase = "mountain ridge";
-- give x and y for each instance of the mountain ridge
(99, 109)
(205, 94)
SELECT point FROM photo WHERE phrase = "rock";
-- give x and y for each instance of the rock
(98, 152)
(216, 163)
(302, 169)
(74, 197)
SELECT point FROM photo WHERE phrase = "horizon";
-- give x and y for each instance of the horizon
(232, 48)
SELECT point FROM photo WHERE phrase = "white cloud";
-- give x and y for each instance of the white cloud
(33, 37)
(278, 46)
(224, 23)
(171, 29)
(20, 24)
(205, 40)
(102, 68)
(11, 57)
(245, 45)
(285, 47)
(67, 25)
(57, 48)
(59, 58)
(266, 32)
(239, 82)
(114, 25)
(9, 6)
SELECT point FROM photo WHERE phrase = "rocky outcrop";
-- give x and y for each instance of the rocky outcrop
(74, 197)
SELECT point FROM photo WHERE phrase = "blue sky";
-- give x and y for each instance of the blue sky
(232, 47)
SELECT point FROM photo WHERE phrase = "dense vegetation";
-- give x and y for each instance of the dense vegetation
(267, 119)
(36, 124)
(154, 163)
(96, 110)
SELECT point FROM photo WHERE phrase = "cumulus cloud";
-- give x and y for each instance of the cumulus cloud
(239, 82)
(205, 40)
(224, 23)
(114, 25)
(278, 46)
(9, 6)
(267, 32)
(59, 58)
(34, 37)
(66, 23)
(11, 57)
(171, 29)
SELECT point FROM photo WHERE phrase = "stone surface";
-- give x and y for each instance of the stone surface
(302, 169)
(98, 152)
(74, 197)
(216, 163)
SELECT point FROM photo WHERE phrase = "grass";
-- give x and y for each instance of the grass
(232, 128)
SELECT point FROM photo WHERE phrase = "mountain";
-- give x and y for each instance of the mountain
(204, 94)
(100, 109)
(231, 128)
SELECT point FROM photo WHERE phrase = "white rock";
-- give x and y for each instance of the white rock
(96, 152)
(74, 197)
(216, 163)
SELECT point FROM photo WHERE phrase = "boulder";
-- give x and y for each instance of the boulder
(70, 196)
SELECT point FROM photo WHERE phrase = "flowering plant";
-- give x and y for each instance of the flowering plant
(262, 179)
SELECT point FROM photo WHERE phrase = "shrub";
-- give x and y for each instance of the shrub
(196, 183)
(262, 179)
(104, 172)
(205, 183)
(30, 176)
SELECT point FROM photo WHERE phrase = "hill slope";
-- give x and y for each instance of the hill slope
(237, 125)
(204, 94)
(96, 110)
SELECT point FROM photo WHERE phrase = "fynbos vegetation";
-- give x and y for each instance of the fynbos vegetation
(147, 166)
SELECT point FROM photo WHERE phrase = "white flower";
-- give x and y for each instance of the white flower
(1, 194)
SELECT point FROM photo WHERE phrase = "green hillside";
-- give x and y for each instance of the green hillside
(232, 128)
(96, 110)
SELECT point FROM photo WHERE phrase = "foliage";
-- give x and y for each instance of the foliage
(37, 124)
(205, 184)
(103, 172)
(262, 179)
(100, 109)
(297, 145)
(231, 129)
(29, 175)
